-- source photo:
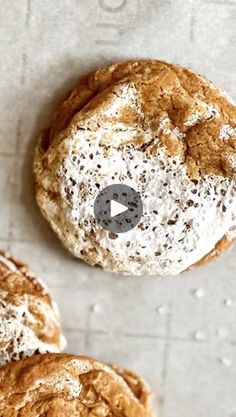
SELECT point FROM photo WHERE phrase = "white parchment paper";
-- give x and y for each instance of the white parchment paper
(180, 333)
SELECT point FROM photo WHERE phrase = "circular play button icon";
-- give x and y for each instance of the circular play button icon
(118, 208)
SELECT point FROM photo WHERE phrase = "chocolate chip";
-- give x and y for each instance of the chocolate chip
(190, 203)
(112, 236)
(171, 222)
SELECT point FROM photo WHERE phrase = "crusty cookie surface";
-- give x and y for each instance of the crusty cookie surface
(29, 319)
(71, 386)
(161, 129)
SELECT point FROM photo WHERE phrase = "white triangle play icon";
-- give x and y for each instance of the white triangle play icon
(117, 208)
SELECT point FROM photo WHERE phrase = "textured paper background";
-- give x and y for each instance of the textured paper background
(44, 47)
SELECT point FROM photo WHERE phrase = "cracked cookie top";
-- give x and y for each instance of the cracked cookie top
(161, 129)
(71, 386)
(29, 319)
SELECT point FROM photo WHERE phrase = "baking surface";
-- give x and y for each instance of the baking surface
(180, 333)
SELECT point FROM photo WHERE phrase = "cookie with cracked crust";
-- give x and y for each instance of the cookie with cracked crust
(71, 386)
(29, 319)
(165, 131)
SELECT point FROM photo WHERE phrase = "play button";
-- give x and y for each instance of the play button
(118, 208)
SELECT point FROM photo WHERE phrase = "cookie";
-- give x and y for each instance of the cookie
(163, 130)
(29, 319)
(71, 386)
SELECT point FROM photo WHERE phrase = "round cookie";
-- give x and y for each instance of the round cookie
(71, 386)
(29, 319)
(163, 130)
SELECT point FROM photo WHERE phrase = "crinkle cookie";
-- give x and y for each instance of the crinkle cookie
(71, 386)
(29, 319)
(161, 129)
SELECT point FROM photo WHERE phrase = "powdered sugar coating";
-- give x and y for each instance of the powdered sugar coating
(67, 384)
(29, 319)
(183, 218)
(17, 337)
(227, 131)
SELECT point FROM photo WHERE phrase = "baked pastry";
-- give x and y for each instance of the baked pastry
(71, 386)
(29, 319)
(161, 129)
